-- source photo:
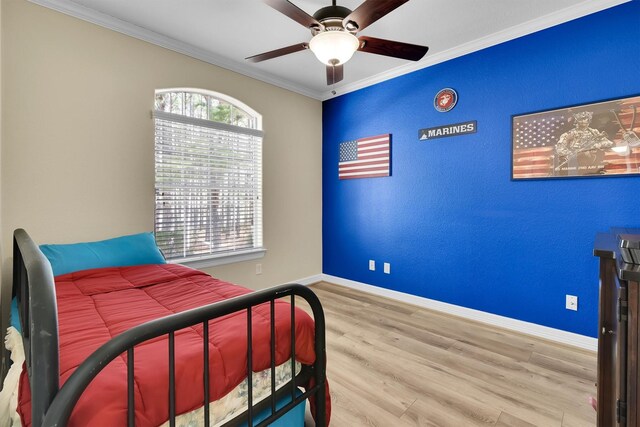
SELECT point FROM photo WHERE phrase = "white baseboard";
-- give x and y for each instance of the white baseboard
(557, 335)
(308, 280)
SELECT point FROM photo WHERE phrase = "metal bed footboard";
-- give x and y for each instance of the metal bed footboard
(51, 406)
(34, 287)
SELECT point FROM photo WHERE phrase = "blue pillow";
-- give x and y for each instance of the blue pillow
(136, 249)
(15, 317)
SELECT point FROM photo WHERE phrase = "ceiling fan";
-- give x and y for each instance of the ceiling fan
(334, 30)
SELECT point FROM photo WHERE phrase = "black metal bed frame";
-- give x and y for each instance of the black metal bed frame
(33, 285)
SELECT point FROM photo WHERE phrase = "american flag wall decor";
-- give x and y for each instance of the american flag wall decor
(597, 139)
(365, 158)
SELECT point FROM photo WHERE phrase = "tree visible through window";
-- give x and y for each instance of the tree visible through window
(208, 174)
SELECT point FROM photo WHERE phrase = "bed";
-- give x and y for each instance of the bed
(162, 344)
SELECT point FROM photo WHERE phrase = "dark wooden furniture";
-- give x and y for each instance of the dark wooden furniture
(618, 333)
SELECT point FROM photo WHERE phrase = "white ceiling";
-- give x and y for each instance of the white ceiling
(224, 32)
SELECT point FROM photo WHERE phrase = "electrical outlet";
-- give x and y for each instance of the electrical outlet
(372, 265)
(258, 268)
(387, 268)
(572, 302)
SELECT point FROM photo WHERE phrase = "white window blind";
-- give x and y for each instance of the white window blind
(208, 187)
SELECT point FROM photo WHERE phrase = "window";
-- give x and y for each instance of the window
(208, 178)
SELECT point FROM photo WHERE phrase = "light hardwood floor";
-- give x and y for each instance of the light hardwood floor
(394, 364)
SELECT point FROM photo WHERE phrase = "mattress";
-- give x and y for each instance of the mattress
(235, 403)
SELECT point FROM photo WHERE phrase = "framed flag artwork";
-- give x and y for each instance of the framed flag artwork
(589, 140)
(365, 158)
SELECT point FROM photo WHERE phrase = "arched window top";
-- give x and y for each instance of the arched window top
(207, 105)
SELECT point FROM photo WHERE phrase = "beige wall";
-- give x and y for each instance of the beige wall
(77, 153)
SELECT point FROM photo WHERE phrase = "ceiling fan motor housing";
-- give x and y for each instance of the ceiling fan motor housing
(331, 18)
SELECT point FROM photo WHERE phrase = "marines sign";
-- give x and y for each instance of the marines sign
(448, 130)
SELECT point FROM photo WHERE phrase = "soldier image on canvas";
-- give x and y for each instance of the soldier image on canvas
(580, 151)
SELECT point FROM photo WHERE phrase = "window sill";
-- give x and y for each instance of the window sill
(221, 259)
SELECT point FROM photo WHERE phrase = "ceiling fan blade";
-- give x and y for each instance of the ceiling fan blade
(411, 52)
(278, 52)
(370, 11)
(294, 12)
(335, 73)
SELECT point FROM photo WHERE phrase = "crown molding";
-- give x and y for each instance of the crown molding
(107, 21)
(70, 8)
(585, 8)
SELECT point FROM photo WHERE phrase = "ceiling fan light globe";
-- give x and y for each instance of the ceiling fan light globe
(332, 46)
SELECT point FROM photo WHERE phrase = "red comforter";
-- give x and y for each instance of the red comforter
(95, 305)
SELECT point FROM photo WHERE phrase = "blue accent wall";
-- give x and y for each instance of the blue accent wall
(450, 220)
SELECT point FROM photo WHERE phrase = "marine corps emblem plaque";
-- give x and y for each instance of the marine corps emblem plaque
(445, 100)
